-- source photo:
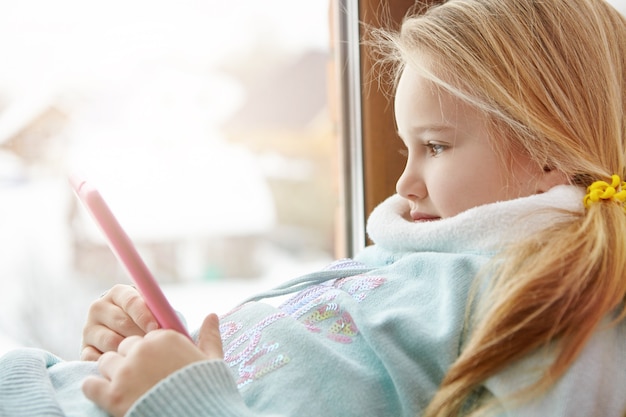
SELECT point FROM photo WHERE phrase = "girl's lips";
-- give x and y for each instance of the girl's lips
(423, 217)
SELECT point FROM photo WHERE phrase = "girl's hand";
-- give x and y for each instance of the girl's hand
(119, 313)
(141, 362)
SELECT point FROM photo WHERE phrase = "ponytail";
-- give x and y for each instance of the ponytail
(572, 273)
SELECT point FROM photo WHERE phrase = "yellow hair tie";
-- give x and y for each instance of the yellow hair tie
(602, 190)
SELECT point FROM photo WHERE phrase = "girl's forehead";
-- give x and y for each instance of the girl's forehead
(418, 94)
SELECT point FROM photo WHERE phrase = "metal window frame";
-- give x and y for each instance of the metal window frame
(349, 63)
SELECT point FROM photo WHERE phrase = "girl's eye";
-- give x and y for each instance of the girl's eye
(435, 149)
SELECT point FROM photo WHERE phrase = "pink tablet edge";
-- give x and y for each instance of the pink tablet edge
(123, 248)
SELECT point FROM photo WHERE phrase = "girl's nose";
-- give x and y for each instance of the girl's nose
(410, 185)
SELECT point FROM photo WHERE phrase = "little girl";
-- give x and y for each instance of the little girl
(497, 279)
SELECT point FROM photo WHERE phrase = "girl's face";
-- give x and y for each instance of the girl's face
(451, 165)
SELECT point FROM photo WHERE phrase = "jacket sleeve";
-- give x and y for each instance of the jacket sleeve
(201, 389)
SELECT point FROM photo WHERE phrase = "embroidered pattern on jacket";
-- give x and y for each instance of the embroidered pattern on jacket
(360, 286)
(253, 359)
(316, 308)
(342, 330)
(340, 325)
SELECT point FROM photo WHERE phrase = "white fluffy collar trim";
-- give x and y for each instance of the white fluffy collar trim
(482, 228)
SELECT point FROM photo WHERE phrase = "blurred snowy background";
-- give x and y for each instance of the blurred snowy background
(204, 123)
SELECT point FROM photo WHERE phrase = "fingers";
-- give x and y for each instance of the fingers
(122, 346)
(90, 353)
(115, 318)
(119, 313)
(109, 363)
(106, 327)
(134, 306)
(139, 364)
(95, 388)
(209, 339)
(127, 344)
(100, 389)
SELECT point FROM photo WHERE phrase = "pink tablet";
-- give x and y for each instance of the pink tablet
(123, 248)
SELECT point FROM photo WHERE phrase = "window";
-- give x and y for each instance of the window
(371, 165)
(205, 125)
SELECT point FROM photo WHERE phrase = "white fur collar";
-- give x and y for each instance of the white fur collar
(481, 228)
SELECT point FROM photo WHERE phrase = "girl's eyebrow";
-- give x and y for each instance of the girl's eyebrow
(434, 128)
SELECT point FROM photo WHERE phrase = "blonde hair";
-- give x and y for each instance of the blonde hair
(551, 77)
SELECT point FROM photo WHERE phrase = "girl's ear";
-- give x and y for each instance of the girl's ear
(551, 177)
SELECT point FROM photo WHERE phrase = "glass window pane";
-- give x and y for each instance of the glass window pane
(206, 126)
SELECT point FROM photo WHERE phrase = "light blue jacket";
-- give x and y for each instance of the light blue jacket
(372, 336)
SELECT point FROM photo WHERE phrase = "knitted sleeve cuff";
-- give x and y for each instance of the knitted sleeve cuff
(201, 389)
